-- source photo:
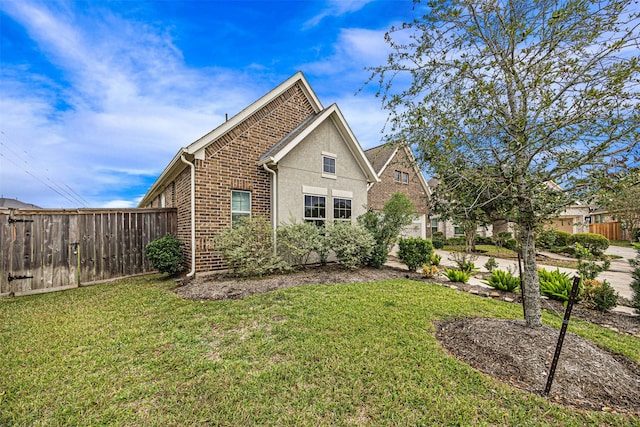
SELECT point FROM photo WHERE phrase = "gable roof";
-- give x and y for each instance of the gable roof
(16, 204)
(196, 148)
(382, 155)
(333, 113)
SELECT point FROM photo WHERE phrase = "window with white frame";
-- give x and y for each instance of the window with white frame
(315, 209)
(397, 176)
(434, 226)
(405, 178)
(328, 165)
(240, 206)
(342, 209)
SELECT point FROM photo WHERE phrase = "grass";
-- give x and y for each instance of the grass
(133, 353)
(623, 243)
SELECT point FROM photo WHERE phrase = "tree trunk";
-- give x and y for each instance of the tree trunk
(531, 285)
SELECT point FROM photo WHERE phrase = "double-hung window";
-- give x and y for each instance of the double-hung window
(328, 165)
(240, 206)
(315, 209)
(342, 210)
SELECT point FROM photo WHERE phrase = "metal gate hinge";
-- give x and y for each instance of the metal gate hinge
(12, 278)
(13, 220)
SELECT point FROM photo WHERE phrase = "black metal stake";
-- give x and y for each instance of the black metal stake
(563, 331)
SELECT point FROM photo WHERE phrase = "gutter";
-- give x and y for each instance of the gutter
(193, 215)
(274, 210)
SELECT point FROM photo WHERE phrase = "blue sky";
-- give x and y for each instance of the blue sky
(96, 97)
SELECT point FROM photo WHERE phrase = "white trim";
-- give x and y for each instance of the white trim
(341, 194)
(326, 153)
(240, 212)
(318, 191)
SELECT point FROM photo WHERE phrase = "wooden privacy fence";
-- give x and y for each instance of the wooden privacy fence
(51, 250)
(610, 230)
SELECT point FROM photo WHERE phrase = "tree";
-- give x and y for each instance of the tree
(385, 226)
(527, 99)
(622, 199)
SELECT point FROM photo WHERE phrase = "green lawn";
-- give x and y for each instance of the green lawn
(132, 353)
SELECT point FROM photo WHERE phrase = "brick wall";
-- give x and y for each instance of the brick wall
(382, 191)
(231, 163)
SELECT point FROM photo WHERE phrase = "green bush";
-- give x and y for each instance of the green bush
(635, 284)
(556, 284)
(385, 226)
(457, 275)
(414, 252)
(165, 254)
(595, 243)
(352, 244)
(297, 241)
(247, 248)
(456, 241)
(464, 261)
(587, 268)
(562, 238)
(504, 280)
(481, 240)
(546, 239)
(437, 243)
(435, 259)
(490, 264)
(510, 244)
(599, 295)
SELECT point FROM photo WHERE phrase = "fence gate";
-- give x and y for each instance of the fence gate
(39, 253)
(51, 250)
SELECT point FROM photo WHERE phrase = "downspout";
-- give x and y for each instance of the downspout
(193, 216)
(274, 208)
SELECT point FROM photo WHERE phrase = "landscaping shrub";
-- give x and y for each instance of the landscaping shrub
(501, 238)
(435, 259)
(490, 264)
(504, 280)
(352, 244)
(635, 284)
(599, 295)
(555, 284)
(562, 238)
(510, 244)
(297, 241)
(456, 241)
(457, 275)
(247, 248)
(430, 271)
(546, 239)
(464, 261)
(414, 252)
(437, 243)
(165, 254)
(385, 226)
(480, 240)
(595, 243)
(587, 268)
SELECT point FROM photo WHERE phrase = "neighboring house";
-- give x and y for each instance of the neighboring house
(285, 157)
(572, 220)
(399, 173)
(16, 204)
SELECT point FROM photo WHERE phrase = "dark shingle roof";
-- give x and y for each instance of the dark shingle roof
(380, 155)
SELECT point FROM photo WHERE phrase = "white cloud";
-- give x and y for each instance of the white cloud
(129, 100)
(336, 8)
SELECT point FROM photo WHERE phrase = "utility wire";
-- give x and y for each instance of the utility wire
(67, 193)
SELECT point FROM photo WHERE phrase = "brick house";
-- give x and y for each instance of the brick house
(284, 157)
(398, 172)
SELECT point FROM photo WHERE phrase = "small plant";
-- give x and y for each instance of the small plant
(352, 244)
(457, 275)
(464, 261)
(414, 251)
(588, 268)
(555, 284)
(430, 271)
(599, 295)
(165, 254)
(490, 264)
(504, 280)
(435, 259)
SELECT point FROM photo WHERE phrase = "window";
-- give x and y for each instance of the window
(240, 206)
(328, 165)
(457, 230)
(402, 177)
(342, 209)
(434, 226)
(405, 178)
(315, 209)
(396, 176)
